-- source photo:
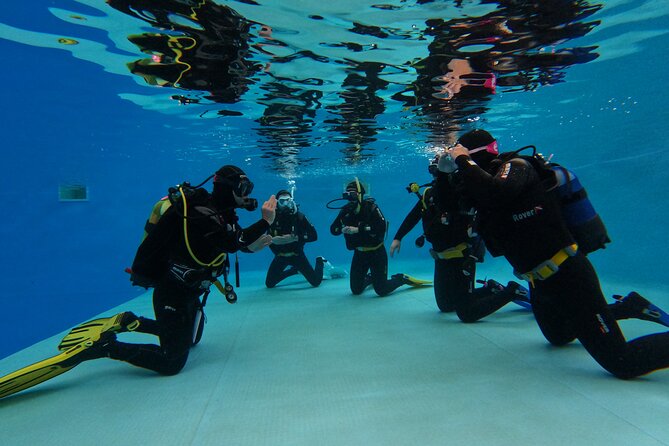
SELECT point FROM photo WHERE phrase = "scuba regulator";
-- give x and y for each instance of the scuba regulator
(413, 188)
(250, 204)
(352, 197)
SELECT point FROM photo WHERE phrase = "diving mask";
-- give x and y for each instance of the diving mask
(350, 195)
(244, 187)
(241, 187)
(242, 190)
(285, 203)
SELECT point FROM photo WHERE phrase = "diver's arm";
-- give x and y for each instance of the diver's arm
(513, 177)
(268, 210)
(337, 224)
(410, 221)
(376, 225)
(504, 186)
(255, 237)
(248, 236)
(261, 242)
(306, 229)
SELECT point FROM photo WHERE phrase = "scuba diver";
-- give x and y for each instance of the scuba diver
(184, 252)
(364, 228)
(531, 215)
(449, 225)
(290, 231)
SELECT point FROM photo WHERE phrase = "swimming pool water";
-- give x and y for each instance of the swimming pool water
(338, 90)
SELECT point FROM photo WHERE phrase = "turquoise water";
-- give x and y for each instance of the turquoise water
(332, 92)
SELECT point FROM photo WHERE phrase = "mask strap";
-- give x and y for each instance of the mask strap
(490, 148)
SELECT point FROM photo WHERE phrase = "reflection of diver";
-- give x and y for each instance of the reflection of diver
(359, 107)
(448, 91)
(517, 41)
(290, 231)
(208, 54)
(448, 224)
(513, 47)
(184, 252)
(364, 228)
(165, 67)
(287, 119)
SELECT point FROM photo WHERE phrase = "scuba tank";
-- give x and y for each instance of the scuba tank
(584, 223)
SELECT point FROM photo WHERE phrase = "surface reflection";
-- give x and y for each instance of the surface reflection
(204, 47)
(287, 119)
(356, 112)
(514, 48)
(344, 81)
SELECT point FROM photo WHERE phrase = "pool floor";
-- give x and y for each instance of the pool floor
(302, 366)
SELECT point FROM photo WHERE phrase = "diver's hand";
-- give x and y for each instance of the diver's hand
(284, 239)
(349, 230)
(395, 246)
(269, 210)
(260, 243)
(457, 150)
(445, 162)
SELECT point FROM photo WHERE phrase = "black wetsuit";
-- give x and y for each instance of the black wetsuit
(179, 281)
(447, 224)
(292, 254)
(521, 221)
(369, 252)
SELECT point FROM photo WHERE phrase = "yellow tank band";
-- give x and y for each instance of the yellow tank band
(456, 252)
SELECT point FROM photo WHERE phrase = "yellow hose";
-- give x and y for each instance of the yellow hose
(218, 261)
